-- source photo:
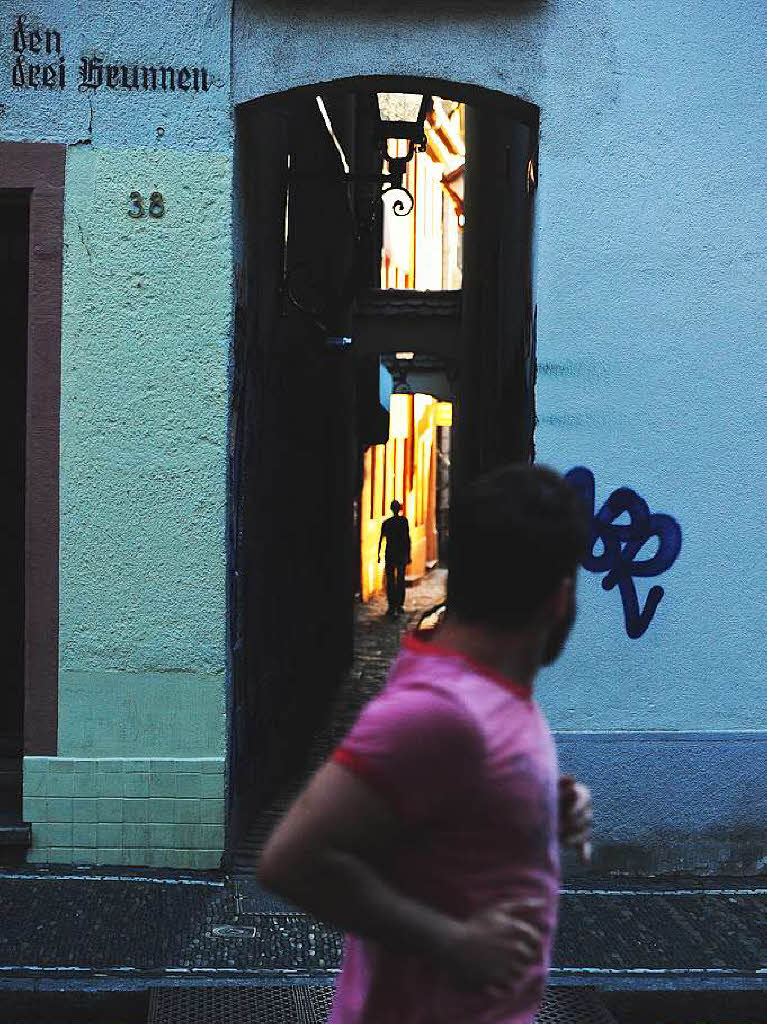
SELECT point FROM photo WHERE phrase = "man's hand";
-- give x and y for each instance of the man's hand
(494, 948)
(576, 816)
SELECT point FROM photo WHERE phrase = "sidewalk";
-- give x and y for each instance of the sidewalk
(138, 928)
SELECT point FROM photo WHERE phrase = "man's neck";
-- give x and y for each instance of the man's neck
(517, 656)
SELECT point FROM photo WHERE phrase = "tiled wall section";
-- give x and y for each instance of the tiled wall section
(158, 812)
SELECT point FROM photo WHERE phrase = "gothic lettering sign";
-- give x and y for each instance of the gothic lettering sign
(39, 62)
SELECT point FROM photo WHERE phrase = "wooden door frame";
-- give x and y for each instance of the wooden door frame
(38, 169)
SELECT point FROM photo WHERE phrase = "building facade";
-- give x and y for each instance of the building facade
(138, 156)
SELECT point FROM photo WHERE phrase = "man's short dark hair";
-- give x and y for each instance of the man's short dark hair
(515, 534)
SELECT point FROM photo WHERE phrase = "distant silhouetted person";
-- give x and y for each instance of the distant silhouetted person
(396, 532)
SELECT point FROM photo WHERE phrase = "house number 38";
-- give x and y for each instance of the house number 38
(136, 207)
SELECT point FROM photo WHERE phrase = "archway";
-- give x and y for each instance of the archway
(315, 322)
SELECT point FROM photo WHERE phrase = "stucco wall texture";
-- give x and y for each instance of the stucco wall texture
(649, 270)
(651, 315)
(143, 429)
(145, 347)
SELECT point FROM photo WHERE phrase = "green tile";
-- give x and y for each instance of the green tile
(112, 765)
(188, 836)
(154, 858)
(110, 809)
(87, 784)
(186, 765)
(171, 859)
(83, 855)
(189, 785)
(35, 783)
(137, 856)
(110, 836)
(85, 810)
(161, 810)
(212, 837)
(61, 764)
(163, 836)
(59, 808)
(187, 812)
(85, 834)
(47, 834)
(135, 834)
(86, 766)
(61, 784)
(136, 784)
(110, 784)
(162, 784)
(211, 786)
(60, 855)
(205, 859)
(162, 764)
(135, 810)
(35, 808)
(38, 855)
(212, 812)
(110, 856)
(211, 765)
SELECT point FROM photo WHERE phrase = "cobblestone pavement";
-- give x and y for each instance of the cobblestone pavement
(81, 923)
(376, 642)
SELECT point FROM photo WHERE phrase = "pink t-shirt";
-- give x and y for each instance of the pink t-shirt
(465, 758)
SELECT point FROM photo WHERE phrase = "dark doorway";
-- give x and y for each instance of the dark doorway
(306, 409)
(14, 273)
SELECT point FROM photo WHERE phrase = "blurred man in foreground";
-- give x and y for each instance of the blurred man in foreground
(431, 836)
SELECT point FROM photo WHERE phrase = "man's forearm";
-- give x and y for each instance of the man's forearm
(345, 891)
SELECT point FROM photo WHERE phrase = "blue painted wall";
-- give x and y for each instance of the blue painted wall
(650, 264)
(167, 32)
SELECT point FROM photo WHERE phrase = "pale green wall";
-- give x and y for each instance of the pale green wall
(145, 348)
(170, 714)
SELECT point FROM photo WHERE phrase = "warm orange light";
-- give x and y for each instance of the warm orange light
(443, 414)
(399, 416)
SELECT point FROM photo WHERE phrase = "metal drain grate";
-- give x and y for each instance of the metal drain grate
(572, 1006)
(283, 1004)
(310, 1004)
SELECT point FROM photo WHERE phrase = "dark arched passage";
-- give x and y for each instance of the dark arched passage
(304, 406)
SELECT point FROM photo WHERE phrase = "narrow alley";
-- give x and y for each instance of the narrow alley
(376, 642)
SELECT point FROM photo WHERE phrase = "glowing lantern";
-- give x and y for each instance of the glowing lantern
(444, 414)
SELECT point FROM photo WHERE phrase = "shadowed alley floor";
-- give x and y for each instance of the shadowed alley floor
(376, 642)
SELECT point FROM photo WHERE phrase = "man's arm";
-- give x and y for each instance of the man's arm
(321, 857)
(380, 539)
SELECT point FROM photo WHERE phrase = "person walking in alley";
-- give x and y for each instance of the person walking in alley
(431, 835)
(396, 532)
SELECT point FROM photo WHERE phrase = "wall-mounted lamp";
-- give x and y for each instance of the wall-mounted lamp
(401, 116)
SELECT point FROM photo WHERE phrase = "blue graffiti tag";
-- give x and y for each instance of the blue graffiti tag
(622, 542)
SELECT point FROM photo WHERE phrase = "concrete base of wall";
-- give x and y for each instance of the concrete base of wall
(665, 803)
(672, 802)
(158, 812)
